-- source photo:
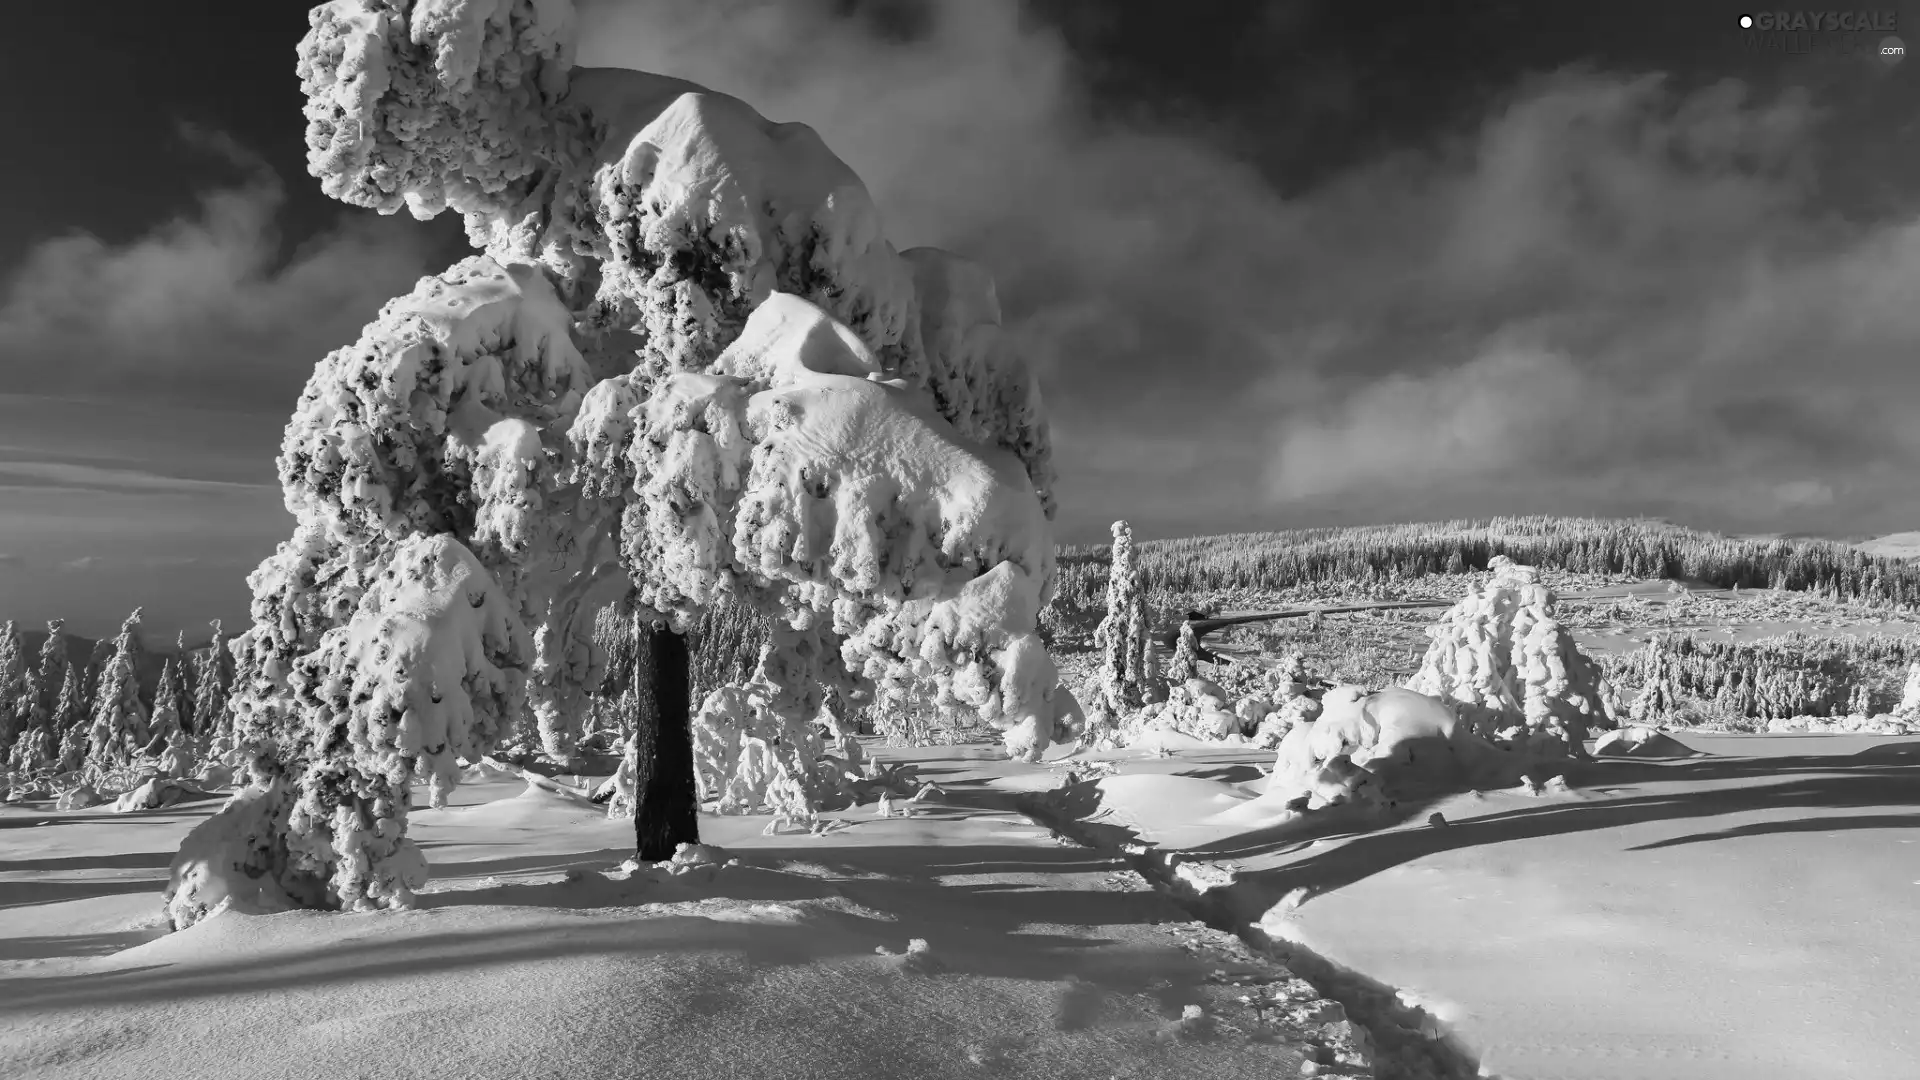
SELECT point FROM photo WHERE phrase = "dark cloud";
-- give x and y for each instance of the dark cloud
(1605, 291)
(204, 307)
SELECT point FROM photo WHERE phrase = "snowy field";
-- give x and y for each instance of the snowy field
(1738, 913)
(531, 955)
(1743, 912)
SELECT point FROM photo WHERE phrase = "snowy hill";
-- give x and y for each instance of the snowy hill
(1900, 545)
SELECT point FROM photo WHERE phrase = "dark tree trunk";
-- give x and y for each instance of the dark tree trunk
(666, 814)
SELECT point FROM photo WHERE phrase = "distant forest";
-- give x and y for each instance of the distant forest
(1374, 555)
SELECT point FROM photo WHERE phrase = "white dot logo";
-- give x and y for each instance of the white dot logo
(1746, 22)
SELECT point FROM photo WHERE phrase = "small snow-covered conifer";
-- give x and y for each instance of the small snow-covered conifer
(167, 739)
(119, 716)
(52, 662)
(13, 670)
(1123, 636)
(31, 714)
(182, 680)
(1185, 663)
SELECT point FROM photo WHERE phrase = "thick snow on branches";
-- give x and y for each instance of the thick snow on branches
(1510, 668)
(689, 358)
(792, 465)
(1124, 639)
(415, 109)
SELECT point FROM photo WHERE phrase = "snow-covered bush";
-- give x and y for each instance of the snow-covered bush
(1510, 669)
(689, 361)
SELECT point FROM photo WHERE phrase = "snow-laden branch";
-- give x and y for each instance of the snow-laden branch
(434, 104)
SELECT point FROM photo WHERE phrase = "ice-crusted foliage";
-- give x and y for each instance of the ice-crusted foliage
(794, 467)
(1184, 665)
(119, 716)
(1910, 694)
(455, 456)
(423, 674)
(984, 388)
(52, 661)
(755, 747)
(238, 859)
(215, 719)
(1123, 637)
(931, 553)
(13, 673)
(707, 208)
(1510, 668)
(167, 741)
(447, 417)
(436, 103)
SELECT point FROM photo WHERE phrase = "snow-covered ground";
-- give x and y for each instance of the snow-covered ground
(1745, 912)
(527, 958)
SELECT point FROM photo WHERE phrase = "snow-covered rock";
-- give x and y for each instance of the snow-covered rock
(78, 797)
(152, 794)
(1638, 740)
(1380, 744)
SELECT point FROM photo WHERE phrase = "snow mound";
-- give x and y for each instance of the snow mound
(1638, 740)
(1513, 669)
(1378, 746)
(152, 794)
(232, 860)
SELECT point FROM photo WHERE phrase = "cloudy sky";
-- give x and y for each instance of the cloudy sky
(1300, 262)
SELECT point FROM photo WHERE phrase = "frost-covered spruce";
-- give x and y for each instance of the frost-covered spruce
(1511, 668)
(182, 683)
(13, 672)
(1909, 707)
(71, 723)
(464, 503)
(120, 722)
(1123, 636)
(167, 739)
(51, 663)
(211, 675)
(1185, 662)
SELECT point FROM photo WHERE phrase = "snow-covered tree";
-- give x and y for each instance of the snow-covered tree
(1510, 668)
(31, 714)
(689, 363)
(1185, 662)
(51, 663)
(71, 724)
(1124, 639)
(13, 671)
(180, 678)
(167, 738)
(215, 719)
(119, 716)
